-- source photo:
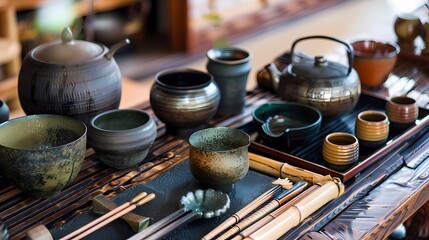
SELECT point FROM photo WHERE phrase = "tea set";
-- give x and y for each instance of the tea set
(70, 90)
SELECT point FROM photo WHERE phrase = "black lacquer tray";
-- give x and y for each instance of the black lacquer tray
(168, 189)
(309, 155)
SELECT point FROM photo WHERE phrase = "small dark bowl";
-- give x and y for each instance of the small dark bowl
(300, 122)
(121, 138)
(41, 154)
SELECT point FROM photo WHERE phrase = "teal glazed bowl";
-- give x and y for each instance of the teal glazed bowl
(121, 138)
(41, 154)
(287, 123)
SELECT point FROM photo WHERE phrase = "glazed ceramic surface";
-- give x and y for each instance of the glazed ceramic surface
(407, 28)
(425, 37)
(230, 68)
(69, 77)
(300, 122)
(218, 157)
(340, 148)
(4, 234)
(402, 111)
(4, 111)
(122, 138)
(184, 98)
(328, 86)
(41, 154)
(372, 128)
(374, 61)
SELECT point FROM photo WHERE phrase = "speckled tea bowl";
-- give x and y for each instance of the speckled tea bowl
(218, 157)
(122, 138)
(41, 154)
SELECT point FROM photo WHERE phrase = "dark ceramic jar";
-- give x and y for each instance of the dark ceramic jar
(70, 77)
(184, 98)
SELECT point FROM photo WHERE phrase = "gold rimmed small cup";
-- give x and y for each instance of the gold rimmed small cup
(402, 111)
(372, 128)
(340, 148)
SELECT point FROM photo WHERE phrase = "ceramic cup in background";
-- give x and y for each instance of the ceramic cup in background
(374, 61)
(4, 111)
(218, 157)
(425, 37)
(340, 148)
(372, 128)
(230, 68)
(407, 28)
(402, 111)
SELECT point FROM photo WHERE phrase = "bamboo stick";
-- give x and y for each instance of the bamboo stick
(257, 225)
(268, 208)
(236, 217)
(327, 191)
(284, 170)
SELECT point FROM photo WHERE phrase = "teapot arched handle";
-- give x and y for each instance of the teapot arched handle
(347, 45)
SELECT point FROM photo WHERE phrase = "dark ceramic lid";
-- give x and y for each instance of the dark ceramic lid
(67, 50)
(319, 69)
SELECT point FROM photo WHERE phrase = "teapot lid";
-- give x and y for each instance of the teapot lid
(320, 69)
(68, 50)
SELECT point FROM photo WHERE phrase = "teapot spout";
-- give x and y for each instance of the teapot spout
(274, 75)
(116, 47)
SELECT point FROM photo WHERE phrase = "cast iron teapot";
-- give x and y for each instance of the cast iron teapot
(70, 77)
(330, 87)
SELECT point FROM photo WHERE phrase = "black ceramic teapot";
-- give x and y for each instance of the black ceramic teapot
(70, 77)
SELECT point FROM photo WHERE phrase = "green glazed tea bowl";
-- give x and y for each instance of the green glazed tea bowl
(218, 157)
(122, 138)
(287, 123)
(41, 154)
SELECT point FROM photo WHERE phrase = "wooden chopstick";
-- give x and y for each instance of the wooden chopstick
(235, 218)
(159, 225)
(89, 228)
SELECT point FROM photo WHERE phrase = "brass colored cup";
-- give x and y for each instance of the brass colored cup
(372, 127)
(340, 148)
(402, 110)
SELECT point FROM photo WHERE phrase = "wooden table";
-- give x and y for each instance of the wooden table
(377, 201)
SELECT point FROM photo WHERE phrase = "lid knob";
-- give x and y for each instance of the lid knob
(320, 61)
(67, 35)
